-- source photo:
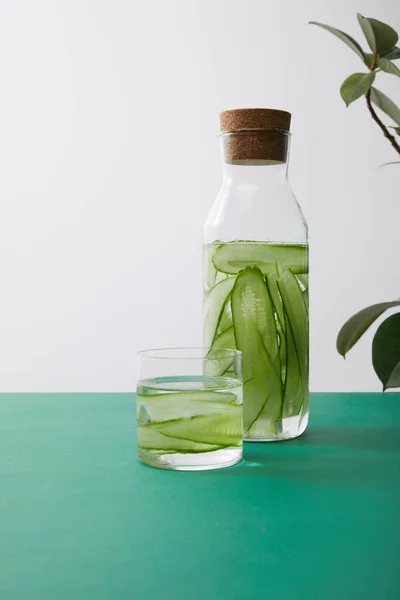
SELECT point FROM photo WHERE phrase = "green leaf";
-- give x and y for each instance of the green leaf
(393, 54)
(347, 39)
(355, 86)
(380, 37)
(358, 324)
(368, 31)
(368, 59)
(385, 104)
(388, 67)
(397, 129)
(386, 352)
(386, 37)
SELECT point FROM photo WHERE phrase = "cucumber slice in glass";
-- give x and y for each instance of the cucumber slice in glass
(256, 337)
(223, 429)
(233, 257)
(151, 439)
(179, 397)
(166, 409)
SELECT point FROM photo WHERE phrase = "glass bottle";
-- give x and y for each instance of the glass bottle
(255, 263)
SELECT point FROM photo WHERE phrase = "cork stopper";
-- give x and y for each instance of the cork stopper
(254, 135)
(245, 119)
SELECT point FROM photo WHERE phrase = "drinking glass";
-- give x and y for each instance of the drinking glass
(189, 408)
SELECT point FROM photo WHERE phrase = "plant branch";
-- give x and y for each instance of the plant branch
(377, 120)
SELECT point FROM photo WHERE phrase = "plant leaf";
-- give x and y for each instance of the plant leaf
(358, 324)
(385, 104)
(393, 54)
(397, 129)
(368, 31)
(380, 37)
(355, 86)
(368, 59)
(347, 39)
(388, 67)
(386, 37)
(386, 352)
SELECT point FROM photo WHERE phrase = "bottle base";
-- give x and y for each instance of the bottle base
(201, 461)
(286, 429)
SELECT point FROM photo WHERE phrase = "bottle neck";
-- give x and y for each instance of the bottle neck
(260, 174)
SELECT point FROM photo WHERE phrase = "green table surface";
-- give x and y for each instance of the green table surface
(313, 518)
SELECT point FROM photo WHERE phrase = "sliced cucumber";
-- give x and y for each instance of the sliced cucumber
(303, 280)
(179, 398)
(226, 318)
(173, 406)
(276, 298)
(256, 337)
(293, 390)
(166, 411)
(305, 297)
(296, 310)
(150, 439)
(224, 429)
(297, 320)
(225, 339)
(220, 367)
(234, 257)
(209, 271)
(214, 305)
(280, 320)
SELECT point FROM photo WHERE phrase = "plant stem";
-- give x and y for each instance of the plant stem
(377, 120)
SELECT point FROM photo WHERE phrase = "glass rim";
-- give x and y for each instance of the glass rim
(165, 353)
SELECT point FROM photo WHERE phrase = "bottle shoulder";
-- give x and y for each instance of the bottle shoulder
(256, 212)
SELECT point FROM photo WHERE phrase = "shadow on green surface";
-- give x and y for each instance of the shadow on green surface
(354, 457)
(356, 438)
(327, 470)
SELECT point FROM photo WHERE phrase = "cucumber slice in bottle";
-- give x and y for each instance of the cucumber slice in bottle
(303, 280)
(225, 339)
(219, 368)
(272, 279)
(233, 257)
(280, 320)
(223, 429)
(214, 305)
(297, 319)
(295, 308)
(293, 391)
(305, 298)
(209, 271)
(226, 318)
(256, 337)
(151, 439)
